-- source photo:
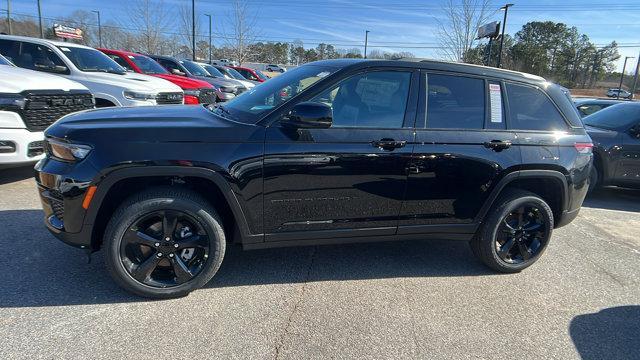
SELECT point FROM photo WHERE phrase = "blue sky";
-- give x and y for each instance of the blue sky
(403, 25)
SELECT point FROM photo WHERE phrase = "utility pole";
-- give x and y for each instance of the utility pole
(40, 20)
(99, 27)
(504, 25)
(209, 16)
(624, 67)
(193, 28)
(366, 40)
(9, 17)
(635, 79)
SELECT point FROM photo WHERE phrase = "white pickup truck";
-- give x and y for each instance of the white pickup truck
(109, 82)
(30, 101)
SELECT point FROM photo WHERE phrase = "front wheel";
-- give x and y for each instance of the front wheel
(164, 243)
(516, 232)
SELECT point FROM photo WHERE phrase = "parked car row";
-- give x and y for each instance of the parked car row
(58, 78)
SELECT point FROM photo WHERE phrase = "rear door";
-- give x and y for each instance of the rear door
(349, 179)
(462, 150)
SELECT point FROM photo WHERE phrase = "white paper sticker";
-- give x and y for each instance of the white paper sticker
(495, 97)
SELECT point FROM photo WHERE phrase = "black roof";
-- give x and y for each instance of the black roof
(434, 65)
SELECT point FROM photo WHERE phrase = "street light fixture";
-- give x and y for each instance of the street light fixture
(366, 40)
(624, 67)
(99, 27)
(504, 25)
(209, 16)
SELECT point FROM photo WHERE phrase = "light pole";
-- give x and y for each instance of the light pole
(9, 17)
(366, 39)
(99, 27)
(624, 67)
(193, 28)
(40, 20)
(209, 16)
(504, 25)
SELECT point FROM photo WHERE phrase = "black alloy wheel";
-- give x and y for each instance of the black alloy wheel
(521, 235)
(164, 248)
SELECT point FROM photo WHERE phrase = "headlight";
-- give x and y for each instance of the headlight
(139, 95)
(228, 89)
(67, 151)
(192, 92)
(11, 102)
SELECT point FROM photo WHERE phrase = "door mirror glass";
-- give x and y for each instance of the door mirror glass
(309, 115)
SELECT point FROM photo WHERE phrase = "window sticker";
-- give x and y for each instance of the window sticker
(495, 97)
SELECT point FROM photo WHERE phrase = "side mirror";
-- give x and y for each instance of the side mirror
(56, 69)
(309, 115)
(177, 72)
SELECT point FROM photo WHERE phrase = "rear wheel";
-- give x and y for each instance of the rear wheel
(516, 232)
(164, 243)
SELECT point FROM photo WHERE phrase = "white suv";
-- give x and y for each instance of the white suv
(110, 83)
(29, 102)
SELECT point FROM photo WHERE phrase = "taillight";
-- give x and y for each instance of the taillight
(584, 148)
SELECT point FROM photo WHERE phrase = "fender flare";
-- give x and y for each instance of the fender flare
(106, 182)
(525, 174)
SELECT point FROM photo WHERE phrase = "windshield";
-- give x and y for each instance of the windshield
(193, 68)
(148, 65)
(252, 105)
(213, 71)
(614, 117)
(91, 60)
(4, 61)
(261, 75)
(235, 74)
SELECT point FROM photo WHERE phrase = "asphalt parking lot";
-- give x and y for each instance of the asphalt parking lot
(424, 299)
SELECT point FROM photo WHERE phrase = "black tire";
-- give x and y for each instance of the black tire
(594, 179)
(487, 241)
(165, 200)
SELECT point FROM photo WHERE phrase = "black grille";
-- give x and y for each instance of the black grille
(43, 109)
(169, 98)
(35, 148)
(58, 208)
(207, 96)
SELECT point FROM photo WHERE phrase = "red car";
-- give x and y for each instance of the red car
(251, 74)
(195, 91)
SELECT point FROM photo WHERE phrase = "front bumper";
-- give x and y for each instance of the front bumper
(27, 146)
(62, 188)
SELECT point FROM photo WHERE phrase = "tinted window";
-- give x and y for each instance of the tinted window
(247, 74)
(169, 65)
(619, 116)
(9, 49)
(375, 99)
(455, 102)
(37, 57)
(4, 61)
(193, 68)
(212, 71)
(147, 65)
(588, 109)
(531, 109)
(122, 62)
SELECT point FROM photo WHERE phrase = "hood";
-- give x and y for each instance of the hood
(15, 80)
(184, 82)
(133, 81)
(169, 123)
(218, 82)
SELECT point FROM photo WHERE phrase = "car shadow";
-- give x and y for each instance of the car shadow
(15, 174)
(612, 333)
(614, 198)
(42, 271)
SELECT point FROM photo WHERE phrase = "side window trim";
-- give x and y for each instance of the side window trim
(538, 89)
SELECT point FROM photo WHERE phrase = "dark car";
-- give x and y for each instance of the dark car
(357, 150)
(225, 89)
(587, 106)
(616, 137)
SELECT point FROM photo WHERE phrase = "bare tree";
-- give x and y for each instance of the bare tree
(186, 30)
(150, 18)
(458, 32)
(242, 31)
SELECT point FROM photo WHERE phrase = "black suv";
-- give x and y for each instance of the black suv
(330, 152)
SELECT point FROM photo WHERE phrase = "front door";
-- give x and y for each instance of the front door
(462, 150)
(628, 169)
(348, 179)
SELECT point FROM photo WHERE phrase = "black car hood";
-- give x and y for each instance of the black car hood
(168, 123)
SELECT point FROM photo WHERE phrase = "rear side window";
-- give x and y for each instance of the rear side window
(455, 102)
(531, 109)
(10, 49)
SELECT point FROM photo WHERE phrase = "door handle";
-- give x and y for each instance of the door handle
(497, 145)
(388, 144)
